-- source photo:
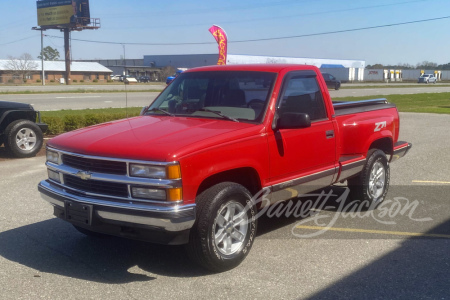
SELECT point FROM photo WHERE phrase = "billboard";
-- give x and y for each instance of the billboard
(62, 12)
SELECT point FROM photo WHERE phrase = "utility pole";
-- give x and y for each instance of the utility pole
(67, 53)
(42, 56)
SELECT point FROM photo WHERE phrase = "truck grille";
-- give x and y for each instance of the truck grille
(97, 187)
(95, 165)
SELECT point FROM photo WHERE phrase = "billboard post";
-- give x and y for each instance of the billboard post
(66, 16)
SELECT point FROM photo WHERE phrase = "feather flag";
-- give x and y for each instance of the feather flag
(221, 39)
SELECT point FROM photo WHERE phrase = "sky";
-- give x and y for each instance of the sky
(182, 22)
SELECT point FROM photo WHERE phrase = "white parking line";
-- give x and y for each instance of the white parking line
(78, 97)
(427, 181)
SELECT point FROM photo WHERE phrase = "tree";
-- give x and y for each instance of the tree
(21, 66)
(49, 53)
(166, 72)
(426, 65)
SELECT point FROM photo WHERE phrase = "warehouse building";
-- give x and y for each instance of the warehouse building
(54, 72)
(345, 70)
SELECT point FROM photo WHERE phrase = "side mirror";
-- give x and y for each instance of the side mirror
(292, 120)
(143, 110)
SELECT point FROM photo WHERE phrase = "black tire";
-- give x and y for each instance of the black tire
(337, 86)
(360, 186)
(205, 247)
(90, 233)
(23, 138)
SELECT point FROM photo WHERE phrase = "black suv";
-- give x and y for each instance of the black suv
(21, 129)
(144, 79)
(331, 81)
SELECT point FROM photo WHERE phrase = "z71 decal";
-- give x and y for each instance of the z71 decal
(379, 126)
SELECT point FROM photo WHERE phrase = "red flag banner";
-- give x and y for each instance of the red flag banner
(221, 39)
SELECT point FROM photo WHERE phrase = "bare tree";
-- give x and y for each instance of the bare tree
(21, 66)
(166, 72)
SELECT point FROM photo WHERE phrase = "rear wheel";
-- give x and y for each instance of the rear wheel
(372, 185)
(23, 138)
(225, 228)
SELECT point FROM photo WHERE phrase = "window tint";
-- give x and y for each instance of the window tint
(302, 94)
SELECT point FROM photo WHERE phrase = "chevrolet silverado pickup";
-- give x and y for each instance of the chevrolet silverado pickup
(185, 171)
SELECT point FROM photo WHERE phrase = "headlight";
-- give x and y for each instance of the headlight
(148, 193)
(52, 156)
(158, 172)
(54, 176)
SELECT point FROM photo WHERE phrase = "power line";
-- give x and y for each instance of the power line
(274, 18)
(17, 40)
(262, 39)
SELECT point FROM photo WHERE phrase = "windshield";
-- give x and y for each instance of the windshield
(231, 95)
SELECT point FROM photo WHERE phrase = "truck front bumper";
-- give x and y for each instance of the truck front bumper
(160, 224)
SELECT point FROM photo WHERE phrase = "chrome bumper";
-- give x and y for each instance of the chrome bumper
(166, 218)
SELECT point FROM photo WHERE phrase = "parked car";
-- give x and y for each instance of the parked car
(21, 129)
(427, 78)
(143, 79)
(331, 81)
(191, 168)
(171, 78)
(123, 77)
(115, 77)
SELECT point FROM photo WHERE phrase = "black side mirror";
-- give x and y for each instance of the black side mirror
(292, 120)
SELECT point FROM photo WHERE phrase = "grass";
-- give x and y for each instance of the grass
(438, 103)
(82, 112)
(390, 86)
(79, 91)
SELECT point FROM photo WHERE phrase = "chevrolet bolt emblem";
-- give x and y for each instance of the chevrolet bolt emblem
(83, 175)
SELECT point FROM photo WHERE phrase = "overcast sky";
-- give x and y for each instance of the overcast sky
(178, 21)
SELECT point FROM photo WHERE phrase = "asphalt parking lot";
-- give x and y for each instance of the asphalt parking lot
(400, 251)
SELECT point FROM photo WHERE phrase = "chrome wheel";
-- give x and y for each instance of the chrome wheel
(377, 180)
(26, 139)
(230, 228)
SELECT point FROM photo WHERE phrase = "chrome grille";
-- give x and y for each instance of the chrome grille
(95, 165)
(96, 186)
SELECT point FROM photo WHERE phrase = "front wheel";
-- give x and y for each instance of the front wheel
(225, 228)
(372, 185)
(23, 138)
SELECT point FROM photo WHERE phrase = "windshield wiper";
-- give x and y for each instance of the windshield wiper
(161, 110)
(219, 114)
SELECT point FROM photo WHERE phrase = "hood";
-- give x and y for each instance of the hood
(154, 138)
(15, 105)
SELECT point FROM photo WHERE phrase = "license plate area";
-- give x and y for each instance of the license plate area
(78, 213)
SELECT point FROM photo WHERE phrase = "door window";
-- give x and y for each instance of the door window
(302, 95)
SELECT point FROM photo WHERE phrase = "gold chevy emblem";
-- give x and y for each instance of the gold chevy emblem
(83, 175)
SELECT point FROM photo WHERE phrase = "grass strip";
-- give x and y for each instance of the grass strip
(438, 103)
(78, 91)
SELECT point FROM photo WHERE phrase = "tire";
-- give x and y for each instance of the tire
(23, 138)
(372, 185)
(337, 86)
(217, 241)
(90, 233)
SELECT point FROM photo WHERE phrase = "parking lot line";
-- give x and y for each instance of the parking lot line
(357, 230)
(427, 181)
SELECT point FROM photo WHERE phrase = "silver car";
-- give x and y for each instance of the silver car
(427, 78)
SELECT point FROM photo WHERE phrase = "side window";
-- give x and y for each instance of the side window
(332, 77)
(302, 94)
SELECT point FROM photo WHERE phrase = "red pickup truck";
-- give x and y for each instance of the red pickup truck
(186, 170)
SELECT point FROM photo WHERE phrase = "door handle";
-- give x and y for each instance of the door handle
(329, 134)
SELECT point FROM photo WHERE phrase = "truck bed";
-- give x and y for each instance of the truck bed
(352, 107)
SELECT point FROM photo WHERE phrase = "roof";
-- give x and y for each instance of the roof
(276, 68)
(60, 66)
